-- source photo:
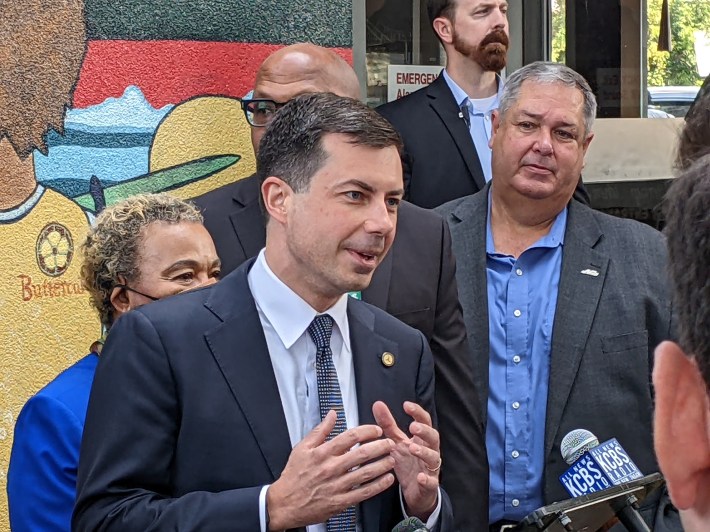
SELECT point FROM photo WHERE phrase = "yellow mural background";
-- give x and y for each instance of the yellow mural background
(44, 335)
(47, 323)
(200, 127)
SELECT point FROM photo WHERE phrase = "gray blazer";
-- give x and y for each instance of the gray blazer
(606, 328)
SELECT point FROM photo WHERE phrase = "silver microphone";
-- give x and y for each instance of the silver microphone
(576, 443)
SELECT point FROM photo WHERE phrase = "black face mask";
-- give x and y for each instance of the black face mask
(126, 287)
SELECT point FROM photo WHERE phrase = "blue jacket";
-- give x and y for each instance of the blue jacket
(41, 480)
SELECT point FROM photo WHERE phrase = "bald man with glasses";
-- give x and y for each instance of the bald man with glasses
(415, 282)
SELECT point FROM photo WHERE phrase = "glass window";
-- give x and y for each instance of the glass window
(678, 53)
(398, 33)
(655, 76)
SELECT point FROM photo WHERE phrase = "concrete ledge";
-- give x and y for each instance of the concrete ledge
(632, 149)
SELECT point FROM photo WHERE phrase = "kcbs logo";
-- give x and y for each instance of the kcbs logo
(616, 463)
(584, 477)
(600, 468)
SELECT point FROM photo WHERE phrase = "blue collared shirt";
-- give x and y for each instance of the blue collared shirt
(522, 297)
(479, 117)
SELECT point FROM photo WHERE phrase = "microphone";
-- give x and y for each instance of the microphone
(576, 443)
(411, 524)
(594, 466)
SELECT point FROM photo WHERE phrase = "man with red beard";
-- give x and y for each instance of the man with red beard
(446, 126)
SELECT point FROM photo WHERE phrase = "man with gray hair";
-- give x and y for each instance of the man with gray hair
(577, 299)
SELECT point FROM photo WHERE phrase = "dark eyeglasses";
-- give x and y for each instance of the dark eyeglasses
(260, 111)
(126, 287)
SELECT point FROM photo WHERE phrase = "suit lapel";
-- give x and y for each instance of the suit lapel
(577, 302)
(239, 348)
(442, 101)
(468, 235)
(247, 219)
(373, 382)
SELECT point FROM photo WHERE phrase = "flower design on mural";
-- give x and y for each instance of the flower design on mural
(55, 249)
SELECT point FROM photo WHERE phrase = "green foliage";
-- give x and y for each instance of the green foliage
(559, 46)
(679, 66)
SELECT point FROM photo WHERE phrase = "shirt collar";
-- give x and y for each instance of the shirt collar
(286, 311)
(556, 236)
(462, 98)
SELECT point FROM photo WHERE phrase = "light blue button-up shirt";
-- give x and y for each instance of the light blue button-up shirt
(522, 297)
(479, 119)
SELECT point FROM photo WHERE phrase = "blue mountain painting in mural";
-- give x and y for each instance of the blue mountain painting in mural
(110, 140)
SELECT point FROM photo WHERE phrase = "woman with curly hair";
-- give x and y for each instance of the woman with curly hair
(144, 248)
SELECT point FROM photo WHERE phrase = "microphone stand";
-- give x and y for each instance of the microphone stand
(630, 517)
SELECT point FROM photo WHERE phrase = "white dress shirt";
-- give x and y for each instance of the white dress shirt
(285, 318)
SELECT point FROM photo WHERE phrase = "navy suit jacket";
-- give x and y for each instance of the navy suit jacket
(415, 282)
(185, 423)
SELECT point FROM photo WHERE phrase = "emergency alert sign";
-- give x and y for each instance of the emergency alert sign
(403, 79)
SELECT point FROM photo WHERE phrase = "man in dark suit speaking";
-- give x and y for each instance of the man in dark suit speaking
(576, 300)
(415, 282)
(274, 400)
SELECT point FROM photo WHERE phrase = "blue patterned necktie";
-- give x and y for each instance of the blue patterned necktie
(330, 398)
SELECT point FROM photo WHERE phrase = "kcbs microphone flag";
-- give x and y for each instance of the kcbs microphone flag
(600, 468)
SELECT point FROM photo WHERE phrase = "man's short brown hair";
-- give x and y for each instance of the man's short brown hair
(440, 8)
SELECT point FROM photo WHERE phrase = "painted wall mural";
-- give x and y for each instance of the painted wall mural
(100, 100)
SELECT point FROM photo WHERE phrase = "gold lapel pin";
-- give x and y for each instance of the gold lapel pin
(388, 359)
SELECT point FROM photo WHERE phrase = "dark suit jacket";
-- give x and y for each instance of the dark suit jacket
(440, 159)
(415, 283)
(605, 331)
(185, 423)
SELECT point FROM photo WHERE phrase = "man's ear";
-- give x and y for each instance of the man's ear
(495, 124)
(587, 142)
(120, 299)
(444, 29)
(681, 425)
(276, 194)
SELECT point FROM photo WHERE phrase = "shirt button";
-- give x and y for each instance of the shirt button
(515, 454)
(515, 502)
(516, 359)
(487, 118)
(519, 272)
(517, 313)
(516, 405)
